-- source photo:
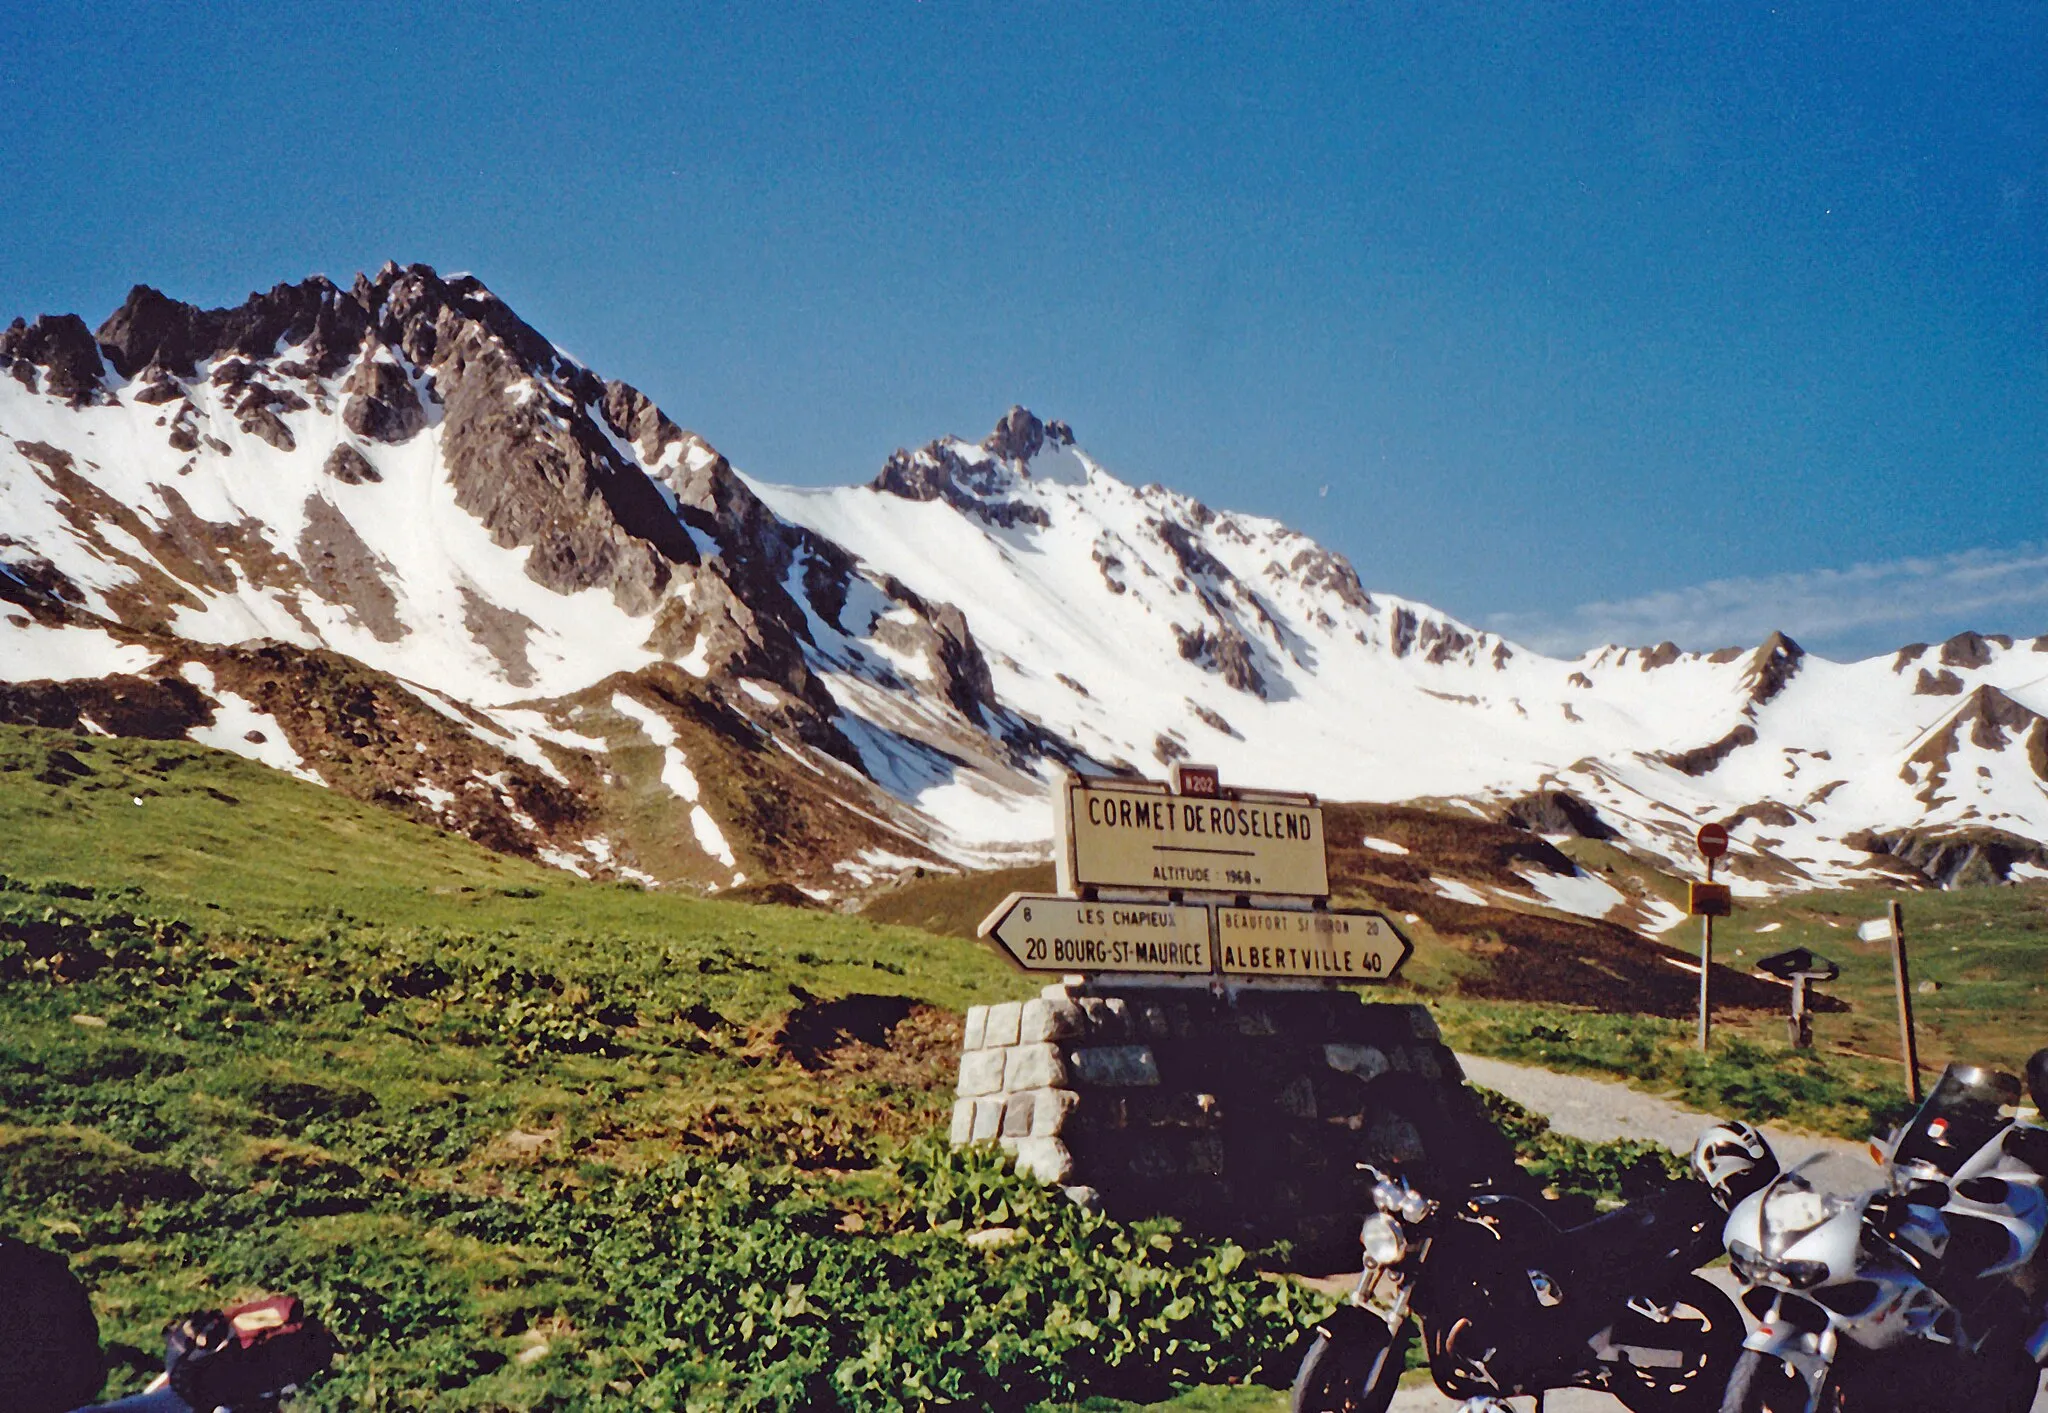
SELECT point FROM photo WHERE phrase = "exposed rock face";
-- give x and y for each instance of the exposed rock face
(1224, 651)
(940, 471)
(1969, 650)
(345, 572)
(150, 708)
(1771, 666)
(1702, 759)
(1017, 437)
(381, 403)
(941, 636)
(1765, 812)
(349, 466)
(1331, 572)
(150, 328)
(1994, 722)
(632, 415)
(1955, 858)
(1557, 812)
(31, 582)
(62, 348)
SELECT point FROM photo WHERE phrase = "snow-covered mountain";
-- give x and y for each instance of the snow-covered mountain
(392, 539)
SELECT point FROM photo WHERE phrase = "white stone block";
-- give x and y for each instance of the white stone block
(1042, 1020)
(981, 1072)
(977, 1026)
(962, 1131)
(1046, 1159)
(1001, 1026)
(1034, 1067)
(1049, 1111)
(988, 1119)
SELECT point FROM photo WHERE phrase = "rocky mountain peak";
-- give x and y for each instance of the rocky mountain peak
(979, 481)
(408, 490)
(1019, 436)
(1774, 663)
(58, 350)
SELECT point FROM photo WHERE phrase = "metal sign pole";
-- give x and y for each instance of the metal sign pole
(1706, 965)
(1909, 1052)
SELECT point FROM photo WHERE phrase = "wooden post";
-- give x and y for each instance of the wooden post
(1706, 965)
(1909, 1052)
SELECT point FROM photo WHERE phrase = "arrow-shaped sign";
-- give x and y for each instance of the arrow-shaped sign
(1345, 946)
(1044, 933)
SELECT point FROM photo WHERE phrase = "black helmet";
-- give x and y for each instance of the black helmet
(2037, 1080)
(1733, 1160)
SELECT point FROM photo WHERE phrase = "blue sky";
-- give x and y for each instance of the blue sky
(1583, 321)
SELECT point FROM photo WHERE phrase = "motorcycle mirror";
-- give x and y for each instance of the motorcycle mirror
(2037, 1080)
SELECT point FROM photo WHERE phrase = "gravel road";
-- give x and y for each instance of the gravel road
(1601, 1111)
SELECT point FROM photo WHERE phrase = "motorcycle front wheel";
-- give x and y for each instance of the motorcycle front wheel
(1353, 1371)
(1762, 1384)
(1686, 1358)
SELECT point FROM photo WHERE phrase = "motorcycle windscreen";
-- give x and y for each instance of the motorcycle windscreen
(1960, 1115)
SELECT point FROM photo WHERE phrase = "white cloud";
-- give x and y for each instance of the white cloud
(1854, 612)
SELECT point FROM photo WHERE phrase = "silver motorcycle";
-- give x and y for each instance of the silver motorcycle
(1925, 1293)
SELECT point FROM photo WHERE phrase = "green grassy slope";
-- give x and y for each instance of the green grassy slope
(539, 1143)
(529, 1142)
(220, 841)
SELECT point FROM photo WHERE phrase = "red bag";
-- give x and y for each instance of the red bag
(246, 1357)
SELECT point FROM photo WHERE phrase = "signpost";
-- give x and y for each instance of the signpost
(1346, 946)
(1893, 926)
(1136, 834)
(1193, 880)
(1045, 933)
(1708, 903)
(1799, 968)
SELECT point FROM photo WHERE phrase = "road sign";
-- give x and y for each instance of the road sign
(1349, 946)
(1041, 933)
(1138, 835)
(1799, 962)
(1712, 840)
(1202, 782)
(1878, 929)
(1709, 900)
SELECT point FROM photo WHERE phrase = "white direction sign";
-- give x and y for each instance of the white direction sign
(1129, 836)
(1347, 946)
(1042, 933)
(1878, 929)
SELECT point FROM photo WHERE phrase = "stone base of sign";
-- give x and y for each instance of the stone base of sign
(1242, 1114)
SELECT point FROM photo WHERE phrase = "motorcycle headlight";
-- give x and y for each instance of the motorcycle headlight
(1384, 1242)
(1747, 1262)
(1801, 1275)
(1755, 1268)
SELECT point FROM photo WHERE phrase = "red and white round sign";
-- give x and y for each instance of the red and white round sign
(1713, 841)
